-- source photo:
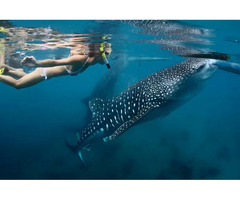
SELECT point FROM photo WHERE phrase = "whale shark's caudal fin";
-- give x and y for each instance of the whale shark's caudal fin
(75, 150)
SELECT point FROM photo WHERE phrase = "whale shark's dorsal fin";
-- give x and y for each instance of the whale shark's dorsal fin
(129, 123)
(96, 106)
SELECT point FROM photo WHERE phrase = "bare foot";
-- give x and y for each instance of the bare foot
(3, 69)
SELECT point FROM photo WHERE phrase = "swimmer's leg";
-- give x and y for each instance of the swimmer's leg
(26, 81)
(17, 73)
(13, 71)
(33, 77)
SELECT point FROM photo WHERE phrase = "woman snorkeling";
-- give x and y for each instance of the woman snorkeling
(45, 69)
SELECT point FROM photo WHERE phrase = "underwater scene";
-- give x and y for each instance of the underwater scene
(119, 99)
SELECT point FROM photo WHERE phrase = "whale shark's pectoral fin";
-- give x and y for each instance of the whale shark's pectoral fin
(127, 124)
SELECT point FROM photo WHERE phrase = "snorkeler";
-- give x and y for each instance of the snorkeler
(46, 69)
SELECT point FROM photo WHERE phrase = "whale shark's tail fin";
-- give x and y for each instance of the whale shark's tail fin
(75, 149)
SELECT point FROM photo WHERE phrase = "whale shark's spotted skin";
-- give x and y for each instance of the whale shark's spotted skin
(159, 27)
(159, 91)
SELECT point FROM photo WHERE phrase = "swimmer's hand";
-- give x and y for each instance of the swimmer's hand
(29, 61)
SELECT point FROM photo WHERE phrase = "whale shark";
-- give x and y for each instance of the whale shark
(155, 96)
(158, 94)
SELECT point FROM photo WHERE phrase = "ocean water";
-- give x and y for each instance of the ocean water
(199, 140)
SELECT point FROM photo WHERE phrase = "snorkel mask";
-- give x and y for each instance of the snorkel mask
(103, 53)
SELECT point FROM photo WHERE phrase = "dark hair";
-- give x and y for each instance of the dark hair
(92, 49)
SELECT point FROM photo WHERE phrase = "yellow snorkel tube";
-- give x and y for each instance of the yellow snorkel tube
(103, 53)
(2, 71)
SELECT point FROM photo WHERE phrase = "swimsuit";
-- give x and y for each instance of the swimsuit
(44, 73)
(76, 72)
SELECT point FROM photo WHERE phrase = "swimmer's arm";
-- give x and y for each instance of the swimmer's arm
(66, 61)
(52, 63)
(32, 62)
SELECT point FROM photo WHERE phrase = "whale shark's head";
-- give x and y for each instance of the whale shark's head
(204, 70)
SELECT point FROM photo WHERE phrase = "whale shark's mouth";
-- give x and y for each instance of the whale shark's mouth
(206, 70)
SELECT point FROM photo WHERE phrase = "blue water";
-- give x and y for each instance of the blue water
(200, 140)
